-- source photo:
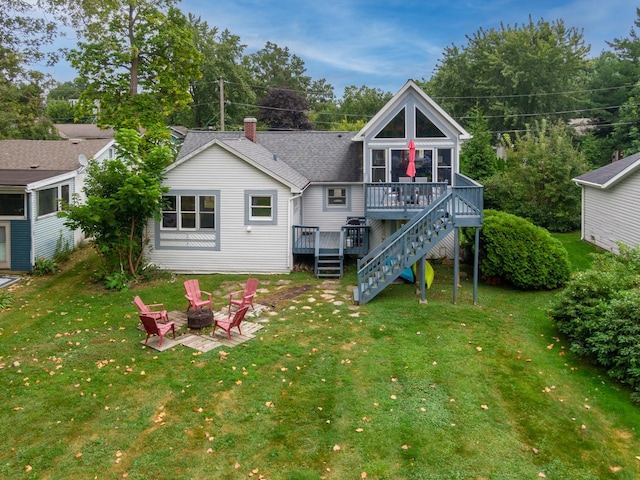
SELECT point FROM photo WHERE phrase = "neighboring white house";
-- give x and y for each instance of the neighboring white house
(611, 204)
(236, 200)
(34, 176)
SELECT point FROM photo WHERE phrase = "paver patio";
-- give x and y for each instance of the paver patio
(202, 340)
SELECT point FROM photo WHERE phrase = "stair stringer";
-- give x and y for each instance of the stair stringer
(405, 247)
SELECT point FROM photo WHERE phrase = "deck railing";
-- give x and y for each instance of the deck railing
(350, 240)
(469, 197)
(401, 195)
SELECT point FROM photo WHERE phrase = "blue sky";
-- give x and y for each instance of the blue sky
(381, 44)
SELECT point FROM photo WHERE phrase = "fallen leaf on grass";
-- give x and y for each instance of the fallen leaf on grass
(336, 448)
(270, 404)
(484, 407)
(615, 469)
(405, 447)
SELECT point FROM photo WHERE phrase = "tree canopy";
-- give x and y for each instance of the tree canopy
(514, 74)
(137, 59)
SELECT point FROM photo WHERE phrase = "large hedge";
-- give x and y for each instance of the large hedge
(516, 251)
(599, 311)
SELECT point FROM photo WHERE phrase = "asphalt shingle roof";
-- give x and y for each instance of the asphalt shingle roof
(330, 157)
(40, 159)
(603, 176)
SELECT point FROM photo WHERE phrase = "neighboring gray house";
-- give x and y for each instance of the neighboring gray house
(34, 175)
(610, 201)
(250, 202)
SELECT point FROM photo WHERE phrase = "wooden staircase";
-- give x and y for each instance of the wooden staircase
(405, 247)
(329, 260)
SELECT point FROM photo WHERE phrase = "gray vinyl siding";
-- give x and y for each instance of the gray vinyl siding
(612, 215)
(317, 214)
(238, 249)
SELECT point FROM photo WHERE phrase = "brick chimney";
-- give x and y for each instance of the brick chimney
(250, 124)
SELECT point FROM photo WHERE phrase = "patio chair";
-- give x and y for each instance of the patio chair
(156, 314)
(230, 322)
(248, 294)
(154, 328)
(194, 295)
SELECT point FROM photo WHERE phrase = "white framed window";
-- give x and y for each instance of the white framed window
(378, 165)
(49, 200)
(189, 212)
(260, 207)
(336, 196)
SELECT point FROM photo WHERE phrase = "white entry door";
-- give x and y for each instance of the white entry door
(5, 246)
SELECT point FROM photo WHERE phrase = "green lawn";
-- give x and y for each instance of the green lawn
(394, 389)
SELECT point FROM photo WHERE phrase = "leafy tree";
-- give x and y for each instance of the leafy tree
(60, 111)
(284, 109)
(222, 55)
(66, 91)
(537, 181)
(513, 73)
(276, 67)
(22, 42)
(136, 58)
(478, 158)
(362, 103)
(122, 194)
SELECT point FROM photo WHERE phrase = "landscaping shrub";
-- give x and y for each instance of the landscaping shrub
(599, 311)
(44, 266)
(526, 256)
(5, 299)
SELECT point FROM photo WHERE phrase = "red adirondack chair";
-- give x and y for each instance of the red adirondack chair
(248, 294)
(230, 322)
(155, 314)
(194, 295)
(154, 328)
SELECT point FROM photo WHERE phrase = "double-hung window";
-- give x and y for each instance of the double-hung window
(189, 212)
(336, 197)
(260, 207)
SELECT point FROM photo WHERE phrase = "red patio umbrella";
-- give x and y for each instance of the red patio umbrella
(411, 168)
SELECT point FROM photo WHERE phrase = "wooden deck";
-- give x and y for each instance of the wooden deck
(201, 340)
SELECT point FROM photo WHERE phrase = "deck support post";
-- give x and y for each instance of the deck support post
(456, 263)
(475, 266)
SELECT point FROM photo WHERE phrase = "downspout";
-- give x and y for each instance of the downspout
(290, 230)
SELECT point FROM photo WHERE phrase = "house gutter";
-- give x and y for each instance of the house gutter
(289, 229)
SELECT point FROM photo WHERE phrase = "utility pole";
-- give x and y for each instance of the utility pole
(221, 104)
